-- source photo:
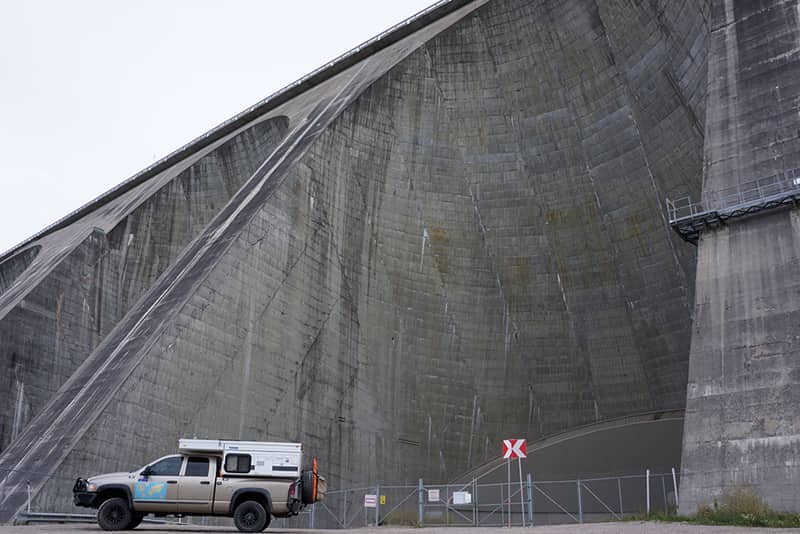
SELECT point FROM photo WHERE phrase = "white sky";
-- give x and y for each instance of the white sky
(91, 92)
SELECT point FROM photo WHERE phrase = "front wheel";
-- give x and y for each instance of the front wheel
(114, 514)
(136, 520)
(250, 516)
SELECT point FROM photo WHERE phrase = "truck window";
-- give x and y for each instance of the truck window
(197, 467)
(237, 463)
(167, 467)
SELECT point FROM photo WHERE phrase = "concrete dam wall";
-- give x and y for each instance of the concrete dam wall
(453, 235)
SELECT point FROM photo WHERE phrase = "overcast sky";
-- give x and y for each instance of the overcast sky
(91, 92)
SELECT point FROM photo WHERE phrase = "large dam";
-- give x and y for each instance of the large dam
(454, 234)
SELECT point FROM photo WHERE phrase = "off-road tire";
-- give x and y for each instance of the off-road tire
(250, 516)
(307, 487)
(136, 520)
(114, 514)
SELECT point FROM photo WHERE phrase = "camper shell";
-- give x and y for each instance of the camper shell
(250, 458)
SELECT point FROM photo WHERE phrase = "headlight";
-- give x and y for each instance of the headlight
(91, 487)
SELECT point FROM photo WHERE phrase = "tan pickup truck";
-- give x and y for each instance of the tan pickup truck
(251, 481)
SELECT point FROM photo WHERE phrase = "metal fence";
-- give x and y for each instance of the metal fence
(477, 503)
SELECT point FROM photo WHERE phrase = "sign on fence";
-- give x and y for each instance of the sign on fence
(514, 448)
(433, 495)
(370, 501)
(462, 497)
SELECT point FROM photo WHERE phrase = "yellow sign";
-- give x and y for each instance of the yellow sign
(383, 499)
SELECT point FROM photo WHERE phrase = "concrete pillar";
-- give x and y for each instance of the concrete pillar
(742, 426)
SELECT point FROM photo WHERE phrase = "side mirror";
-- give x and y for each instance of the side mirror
(146, 472)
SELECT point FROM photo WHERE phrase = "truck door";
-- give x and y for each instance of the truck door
(158, 491)
(236, 463)
(196, 486)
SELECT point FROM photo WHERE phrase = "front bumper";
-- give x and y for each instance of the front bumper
(84, 498)
(81, 496)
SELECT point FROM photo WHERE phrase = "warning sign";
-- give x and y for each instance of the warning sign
(370, 501)
(514, 448)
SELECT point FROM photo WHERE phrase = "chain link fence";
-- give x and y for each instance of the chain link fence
(477, 503)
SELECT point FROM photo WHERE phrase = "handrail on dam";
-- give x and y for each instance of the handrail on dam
(333, 67)
(689, 218)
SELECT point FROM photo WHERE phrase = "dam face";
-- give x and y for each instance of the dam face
(453, 235)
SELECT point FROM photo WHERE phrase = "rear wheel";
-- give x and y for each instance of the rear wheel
(250, 516)
(114, 514)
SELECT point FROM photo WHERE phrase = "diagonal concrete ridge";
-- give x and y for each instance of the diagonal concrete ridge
(53, 434)
(386, 39)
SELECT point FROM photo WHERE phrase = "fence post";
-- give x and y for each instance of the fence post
(474, 502)
(502, 506)
(647, 478)
(675, 488)
(377, 505)
(447, 505)
(29, 497)
(313, 508)
(344, 510)
(619, 491)
(664, 492)
(580, 503)
(530, 499)
(421, 510)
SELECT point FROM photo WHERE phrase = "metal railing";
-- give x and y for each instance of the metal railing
(220, 130)
(749, 194)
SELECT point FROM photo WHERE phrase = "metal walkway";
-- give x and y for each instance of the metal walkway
(689, 218)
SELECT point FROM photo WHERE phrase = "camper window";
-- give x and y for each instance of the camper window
(237, 463)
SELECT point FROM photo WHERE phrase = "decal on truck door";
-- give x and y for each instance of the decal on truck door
(150, 491)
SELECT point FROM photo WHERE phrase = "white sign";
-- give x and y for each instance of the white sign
(514, 448)
(370, 501)
(433, 495)
(462, 497)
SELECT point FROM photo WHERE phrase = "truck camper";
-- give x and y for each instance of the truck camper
(251, 481)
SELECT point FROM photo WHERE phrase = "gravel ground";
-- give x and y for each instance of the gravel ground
(629, 527)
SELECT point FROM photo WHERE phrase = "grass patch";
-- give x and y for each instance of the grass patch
(743, 507)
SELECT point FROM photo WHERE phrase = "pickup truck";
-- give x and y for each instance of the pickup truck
(249, 481)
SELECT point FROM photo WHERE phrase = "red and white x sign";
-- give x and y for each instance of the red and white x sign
(514, 448)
